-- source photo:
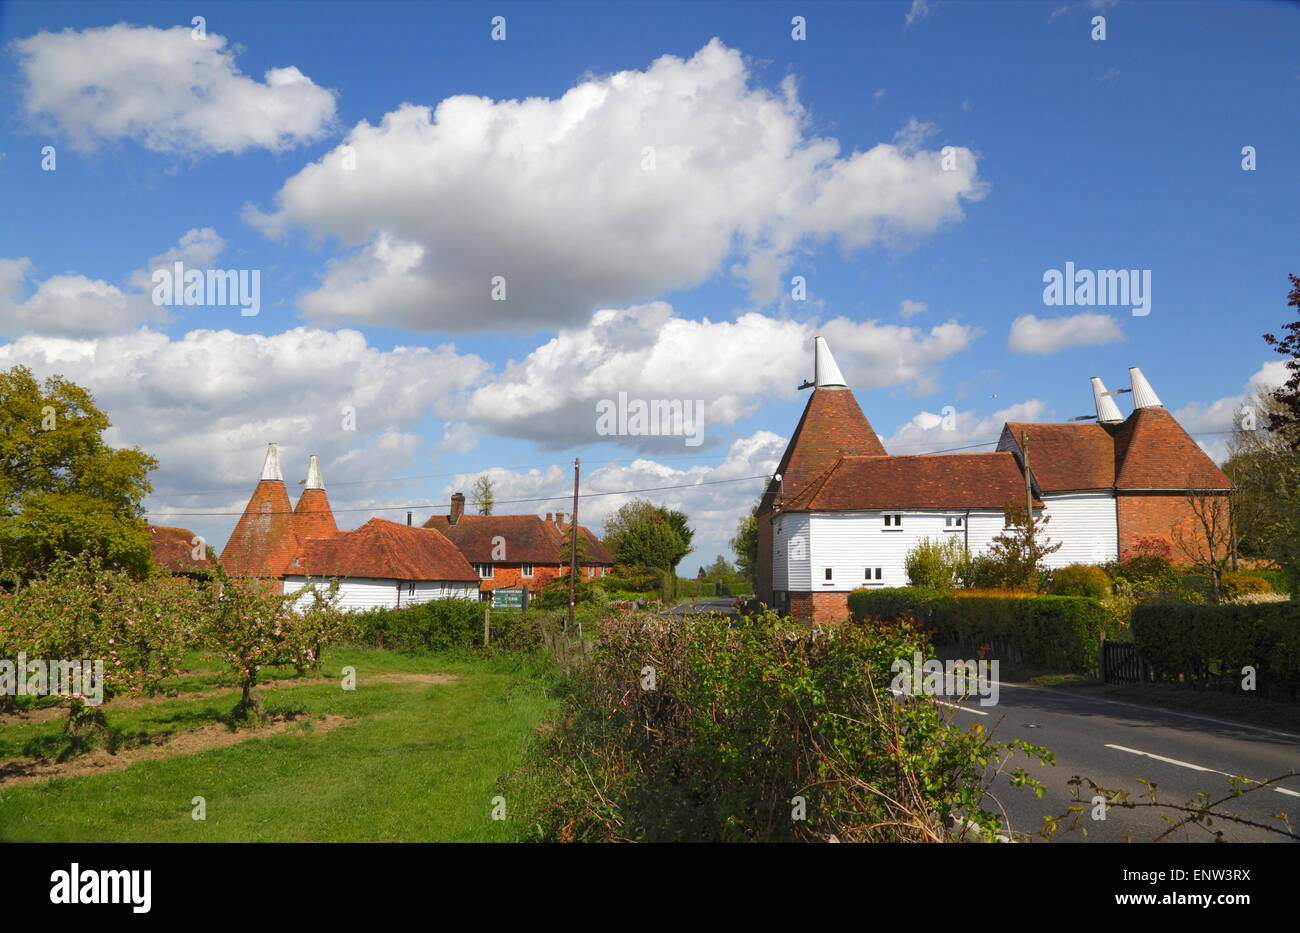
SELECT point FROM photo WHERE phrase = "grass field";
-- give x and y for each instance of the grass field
(403, 757)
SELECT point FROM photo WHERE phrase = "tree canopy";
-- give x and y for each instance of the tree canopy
(641, 534)
(484, 495)
(62, 489)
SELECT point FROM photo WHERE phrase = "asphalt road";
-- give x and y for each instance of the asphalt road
(1116, 743)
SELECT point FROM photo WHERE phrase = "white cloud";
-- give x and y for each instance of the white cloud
(76, 306)
(714, 496)
(919, 10)
(909, 309)
(166, 91)
(1109, 79)
(1040, 337)
(553, 195)
(929, 432)
(1211, 423)
(208, 404)
(650, 353)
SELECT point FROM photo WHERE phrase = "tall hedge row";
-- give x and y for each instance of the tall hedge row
(1209, 645)
(1057, 631)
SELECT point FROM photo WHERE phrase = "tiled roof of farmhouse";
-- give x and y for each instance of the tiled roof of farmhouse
(933, 481)
(382, 550)
(173, 550)
(832, 426)
(1065, 457)
(1154, 452)
(528, 539)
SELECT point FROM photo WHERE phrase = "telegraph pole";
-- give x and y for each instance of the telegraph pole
(573, 548)
(1029, 490)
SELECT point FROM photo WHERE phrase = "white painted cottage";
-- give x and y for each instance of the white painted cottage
(840, 513)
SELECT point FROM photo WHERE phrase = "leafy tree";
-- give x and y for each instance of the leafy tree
(62, 489)
(1015, 557)
(484, 495)
(720, 570)
(642, 534)
(745, 544)
(1286, 419)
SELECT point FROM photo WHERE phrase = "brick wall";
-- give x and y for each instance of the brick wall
(819, 607)
(1155, 515)
(511, 576)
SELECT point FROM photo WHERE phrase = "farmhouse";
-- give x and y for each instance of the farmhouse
(840, 513)
(519, 551)
(380, 564)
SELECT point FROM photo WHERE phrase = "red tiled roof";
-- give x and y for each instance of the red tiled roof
(832, 426)
(1066, 457)
(592, 553)
(1154, 452)
(173, 550)
(931, 481)
(527, 539)
(312, 517)
(263, 542)
(382, 550)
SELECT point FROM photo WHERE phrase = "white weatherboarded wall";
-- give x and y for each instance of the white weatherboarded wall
(361, 593)
(790, 551)
(1085, 523)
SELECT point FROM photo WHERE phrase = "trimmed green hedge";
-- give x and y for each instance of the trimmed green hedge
(1209, 645)
(446, 626)
(1058, 631)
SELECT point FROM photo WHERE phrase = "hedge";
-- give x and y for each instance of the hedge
(1209, 645)
(1057, 631)
(446, 626)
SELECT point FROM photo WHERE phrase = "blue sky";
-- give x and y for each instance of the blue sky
(773, 158)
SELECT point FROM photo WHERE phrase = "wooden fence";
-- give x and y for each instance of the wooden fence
(1121, 662)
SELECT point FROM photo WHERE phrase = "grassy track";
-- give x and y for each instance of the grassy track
(412, 762)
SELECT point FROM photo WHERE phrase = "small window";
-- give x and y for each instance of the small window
(828, 573)
(591, 571)
(410, 589)
(527, 571)
(893, 521)
(953, 522)
(877, 573)
(485, 571)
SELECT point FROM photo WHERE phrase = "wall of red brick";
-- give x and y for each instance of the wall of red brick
(1155, 515)
(819, 607)
(511, 576)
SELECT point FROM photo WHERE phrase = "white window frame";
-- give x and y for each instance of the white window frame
(954, 522)
(896, 524)
(526, 571)
(486, 571)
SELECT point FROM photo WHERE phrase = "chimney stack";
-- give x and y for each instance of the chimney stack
(457, 507)
(1143, 395)
(559, 518)
(550, 516)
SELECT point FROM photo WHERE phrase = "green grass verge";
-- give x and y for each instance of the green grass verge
(412, 762)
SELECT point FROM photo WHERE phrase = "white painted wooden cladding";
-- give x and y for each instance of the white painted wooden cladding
(1085, 523)
(850, 542)
(362, 593)
(790, 552)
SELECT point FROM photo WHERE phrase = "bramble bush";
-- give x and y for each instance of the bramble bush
(744, 720)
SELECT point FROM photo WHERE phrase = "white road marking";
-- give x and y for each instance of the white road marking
(964, 709)
(1188, 764)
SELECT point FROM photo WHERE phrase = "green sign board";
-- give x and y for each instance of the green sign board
(510, 599)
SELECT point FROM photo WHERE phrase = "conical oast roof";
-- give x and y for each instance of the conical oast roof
(263, 542)
(1107, 410)
(312, 517)
(832, 426)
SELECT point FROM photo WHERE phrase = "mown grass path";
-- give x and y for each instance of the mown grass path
(408, 761)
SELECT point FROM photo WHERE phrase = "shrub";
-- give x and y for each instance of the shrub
(1145, 573)
(1233, 585)
(1279, 580)
(744, 716)
(1059, 631)
(441, 625)
(939, 564)
(555, 595)
(1081, 580)
(1209, 645)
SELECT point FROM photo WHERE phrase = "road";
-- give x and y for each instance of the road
(1116, 743)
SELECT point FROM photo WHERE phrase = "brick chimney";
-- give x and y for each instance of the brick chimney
(559, 518)
(550, 516)
(457, 507)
